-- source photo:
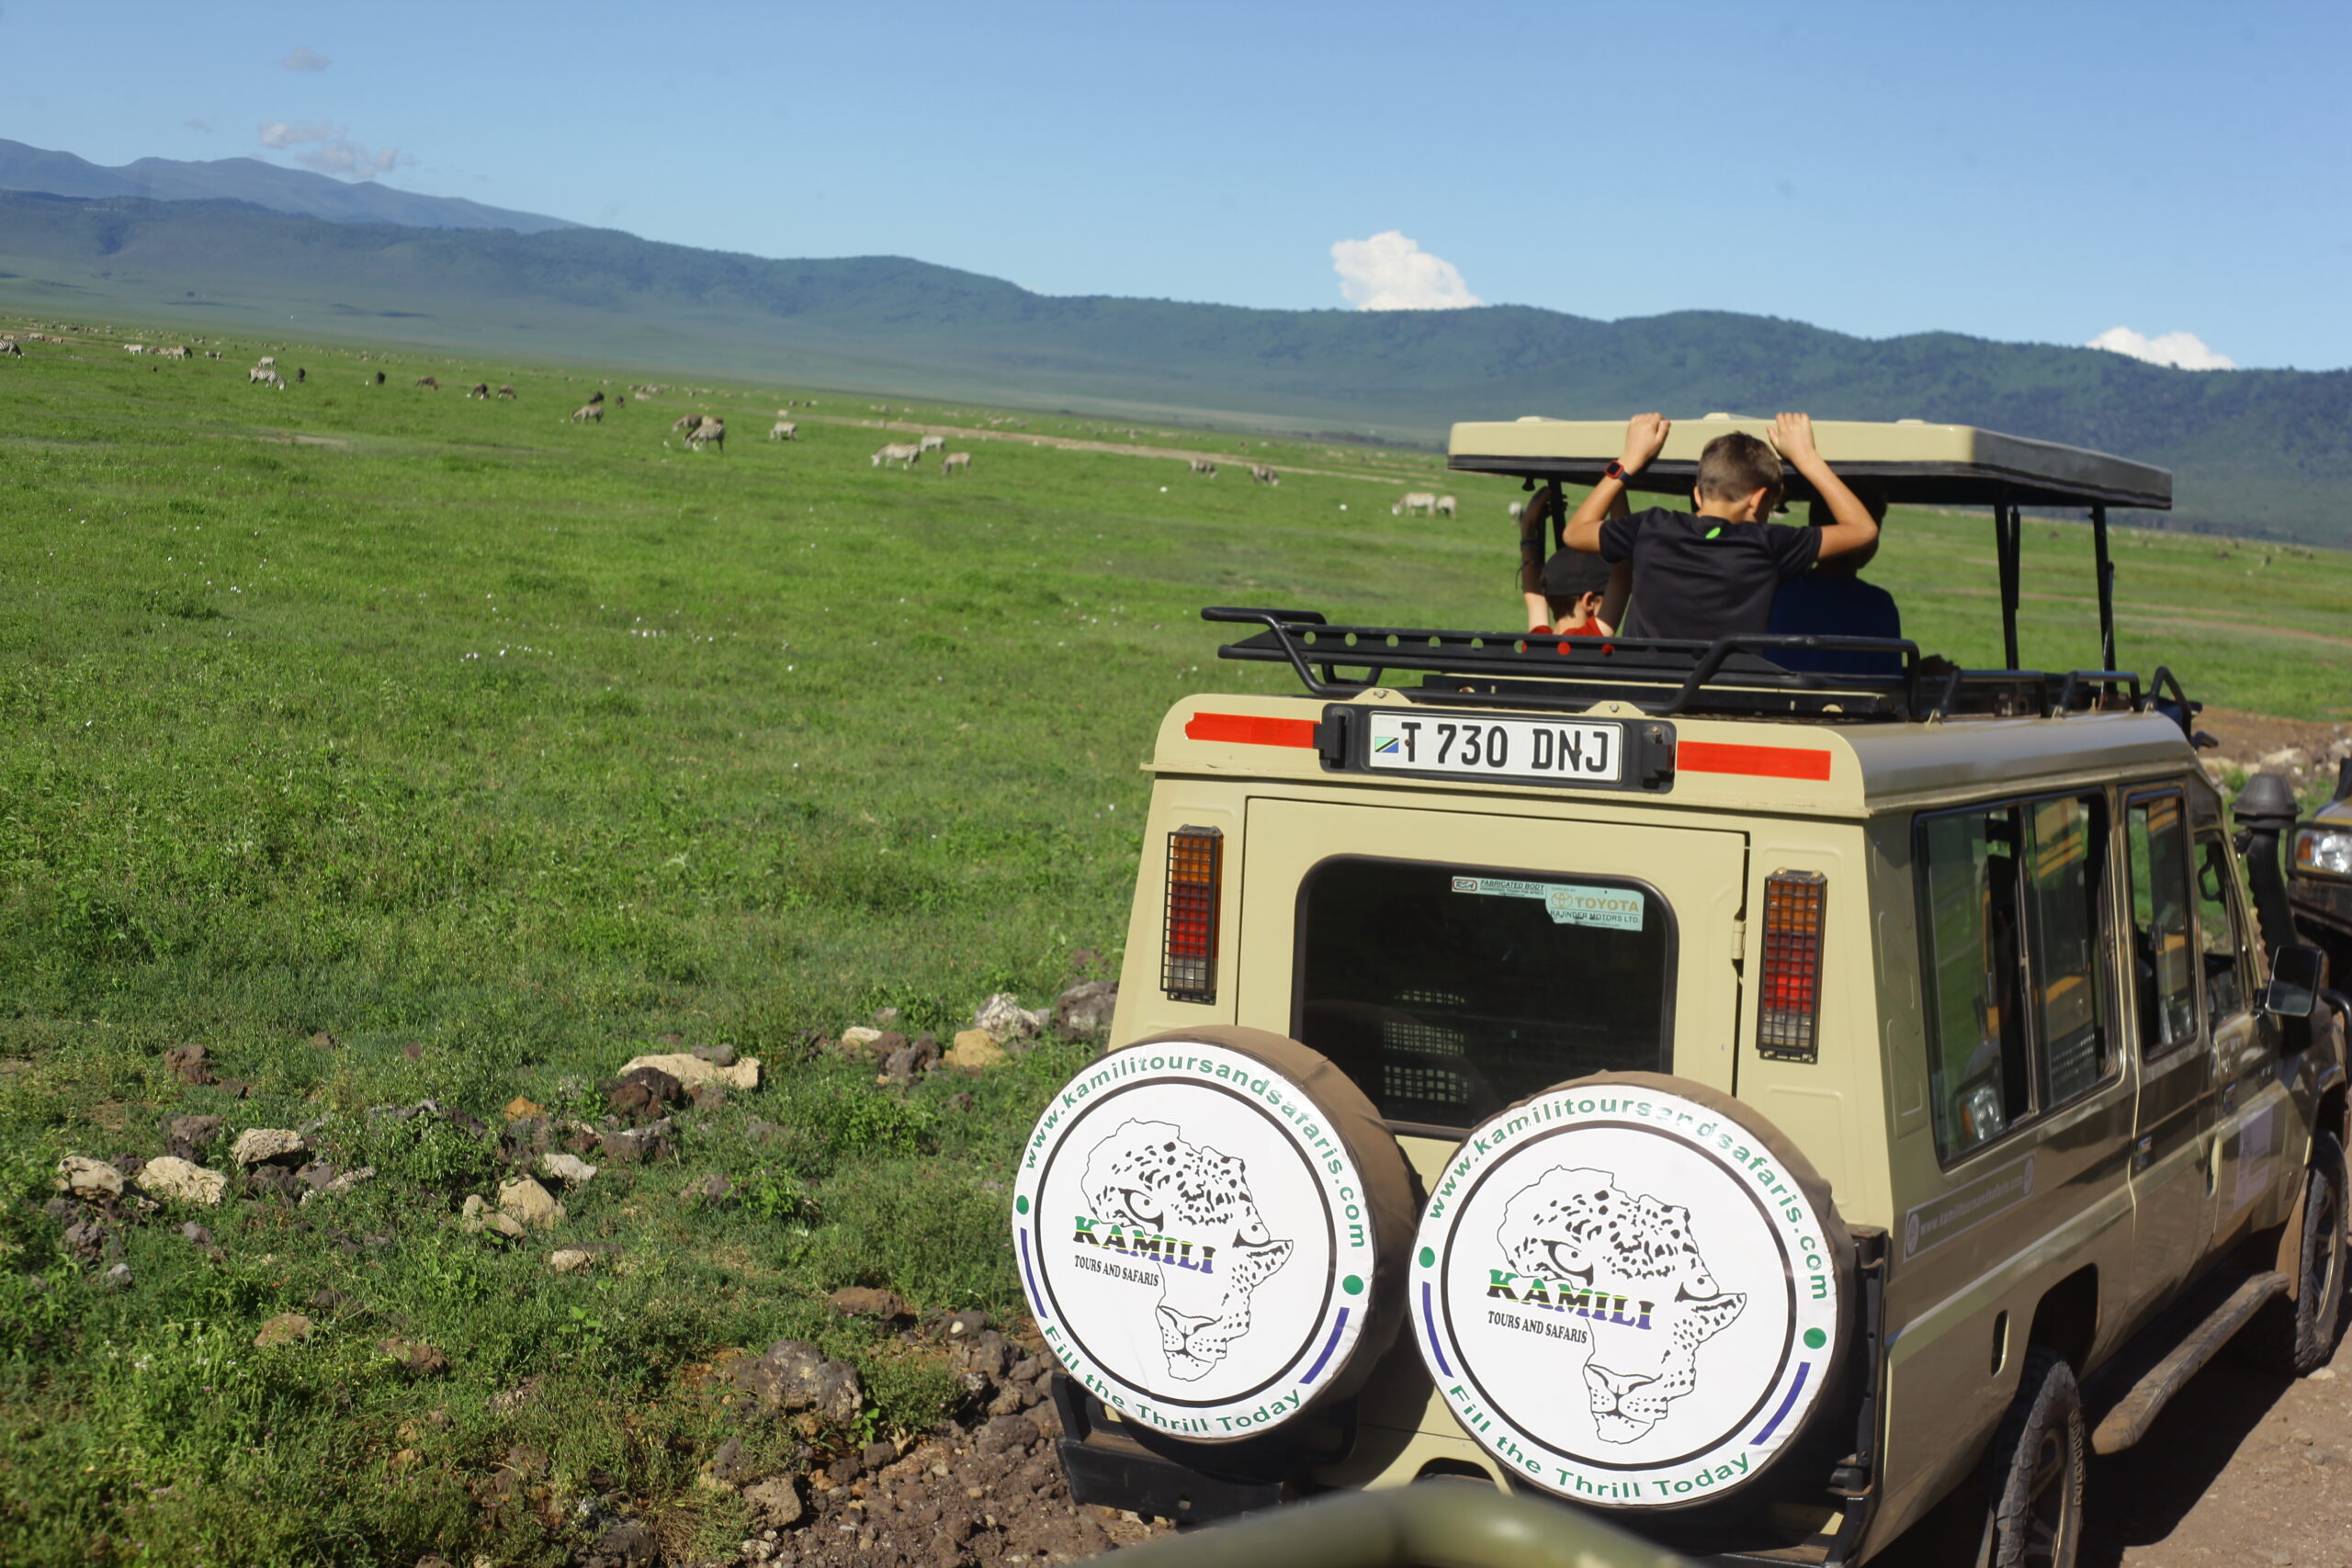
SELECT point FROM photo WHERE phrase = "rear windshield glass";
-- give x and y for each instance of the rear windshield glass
(1448, 992)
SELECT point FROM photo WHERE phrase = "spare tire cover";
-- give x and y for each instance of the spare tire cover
(1631, 1290)
(1212, 1228)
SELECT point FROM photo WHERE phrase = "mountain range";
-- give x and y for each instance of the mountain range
(263, 184)
(2254, 451)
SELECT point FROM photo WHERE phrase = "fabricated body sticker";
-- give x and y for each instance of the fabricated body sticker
(1939, 1219)
(1623, 1297)
(1569, 904)
(1194, 1239)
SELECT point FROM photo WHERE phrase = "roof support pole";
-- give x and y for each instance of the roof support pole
(2106, 588)
(2006, 525)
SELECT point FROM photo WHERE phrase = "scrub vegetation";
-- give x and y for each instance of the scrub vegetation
(497, 748)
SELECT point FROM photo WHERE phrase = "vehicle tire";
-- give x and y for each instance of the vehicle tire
(2033, 1476)
(1212, 1229)
(2297, 1338)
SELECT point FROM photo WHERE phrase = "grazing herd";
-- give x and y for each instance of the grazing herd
(1422, 503)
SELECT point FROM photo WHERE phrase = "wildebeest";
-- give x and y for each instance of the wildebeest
(684, 421)
(1203, 466)
(955, 462)
(589, 411)
(933, 444)
(380, 378)
(1415, 502)
(506, 392)
(596, 396)
(783, 430)
(1261, 474)
(257, 377)
(428, 383)
(8, 346)
(711, 432)
(174, 353)
(268, 362)
(479, 389)
(1445, 504)
(897, 452)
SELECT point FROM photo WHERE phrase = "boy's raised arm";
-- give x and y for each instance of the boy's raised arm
(1645, 437)
(1852, 528)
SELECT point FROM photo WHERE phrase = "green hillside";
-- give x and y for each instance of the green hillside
(2254, 451)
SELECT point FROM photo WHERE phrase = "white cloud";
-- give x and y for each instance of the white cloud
(1389, 272)
(306, 60)
(295, 133)
(2183, 351)
(329, 149)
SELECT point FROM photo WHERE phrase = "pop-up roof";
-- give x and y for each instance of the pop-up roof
(1918, 463)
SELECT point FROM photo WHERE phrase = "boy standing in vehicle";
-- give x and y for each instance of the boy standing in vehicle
(1832, 600)
(1713, 572)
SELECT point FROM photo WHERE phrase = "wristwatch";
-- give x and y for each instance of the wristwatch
(1615, 471)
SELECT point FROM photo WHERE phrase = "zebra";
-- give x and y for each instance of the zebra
(589, 411)
(897, 452)
(955, 462)
(783, 430)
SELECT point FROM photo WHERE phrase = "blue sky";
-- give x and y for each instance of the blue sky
(2028, 172)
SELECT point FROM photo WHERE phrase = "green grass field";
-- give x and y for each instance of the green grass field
(456, 727)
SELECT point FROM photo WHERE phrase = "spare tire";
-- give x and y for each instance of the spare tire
(1632, 1292)
(1212, 1227)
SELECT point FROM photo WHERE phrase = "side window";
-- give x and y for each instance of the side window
(2014, 936)
(1978, 1066)
(2157, 837)
(2062, 865)
(2218, 927)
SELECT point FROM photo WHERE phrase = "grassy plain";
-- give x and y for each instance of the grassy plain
(499, 746)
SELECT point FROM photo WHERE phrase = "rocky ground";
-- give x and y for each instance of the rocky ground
(2309, 753)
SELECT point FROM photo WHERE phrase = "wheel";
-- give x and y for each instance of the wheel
(2034, 1474)
(2297, 1336)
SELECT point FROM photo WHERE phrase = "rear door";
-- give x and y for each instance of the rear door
(2251, 1104)
(1454, 962)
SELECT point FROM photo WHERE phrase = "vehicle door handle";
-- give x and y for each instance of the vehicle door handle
(2143, 1151)
(2230, 1096)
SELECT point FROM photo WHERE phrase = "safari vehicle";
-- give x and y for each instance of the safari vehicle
(2319, 877)
(1761, 1106)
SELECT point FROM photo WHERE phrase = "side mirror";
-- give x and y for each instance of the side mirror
(2295, 973)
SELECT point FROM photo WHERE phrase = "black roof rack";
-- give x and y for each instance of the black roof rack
(1732, 675)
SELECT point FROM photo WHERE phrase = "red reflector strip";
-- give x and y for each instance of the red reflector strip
(1249, 730)
(1750, 762)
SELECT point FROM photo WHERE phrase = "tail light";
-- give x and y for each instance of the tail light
(1195, 877)
(1788, 1030)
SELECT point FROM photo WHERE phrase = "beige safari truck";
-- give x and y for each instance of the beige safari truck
(1762, 1104)
(2319, 877)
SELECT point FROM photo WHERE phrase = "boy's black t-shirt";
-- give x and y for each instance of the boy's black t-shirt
(1702, 578)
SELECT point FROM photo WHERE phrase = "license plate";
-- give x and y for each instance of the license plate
(1480, 746)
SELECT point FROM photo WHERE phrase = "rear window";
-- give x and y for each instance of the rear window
(1448, 992)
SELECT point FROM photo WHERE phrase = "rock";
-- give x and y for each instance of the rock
(642, 1145)
(570, 1170)
(775, 1502)
(185, 1062)
(421, 1359)
(189, 1136)
(1084, 1011)
(716, 1055)
(955, 1326)
(986, 1352)
(322, 1040)
(342, 1183)
(329, 1301)
(640, 1092)
(705, 1099)
(286, 1328)
(1003, 1016)
(89, 1180)
(519, 1108)
(876, 1454)
(712, 1188)
(413, 1050)
(792, 1374)
(570, 1259)
(860, 1037)
(527, 1202)
(479, 1217)
(195, 1234)
(118, 1276)
(920, 1056)
(689, 1070)
(87, 1240)
(315, 1175)
(232, 1088)
(269, 1146)
(1006, 1432)
(623, 1543)
(861, 1300)
(974, 1050)
(178, 1180)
